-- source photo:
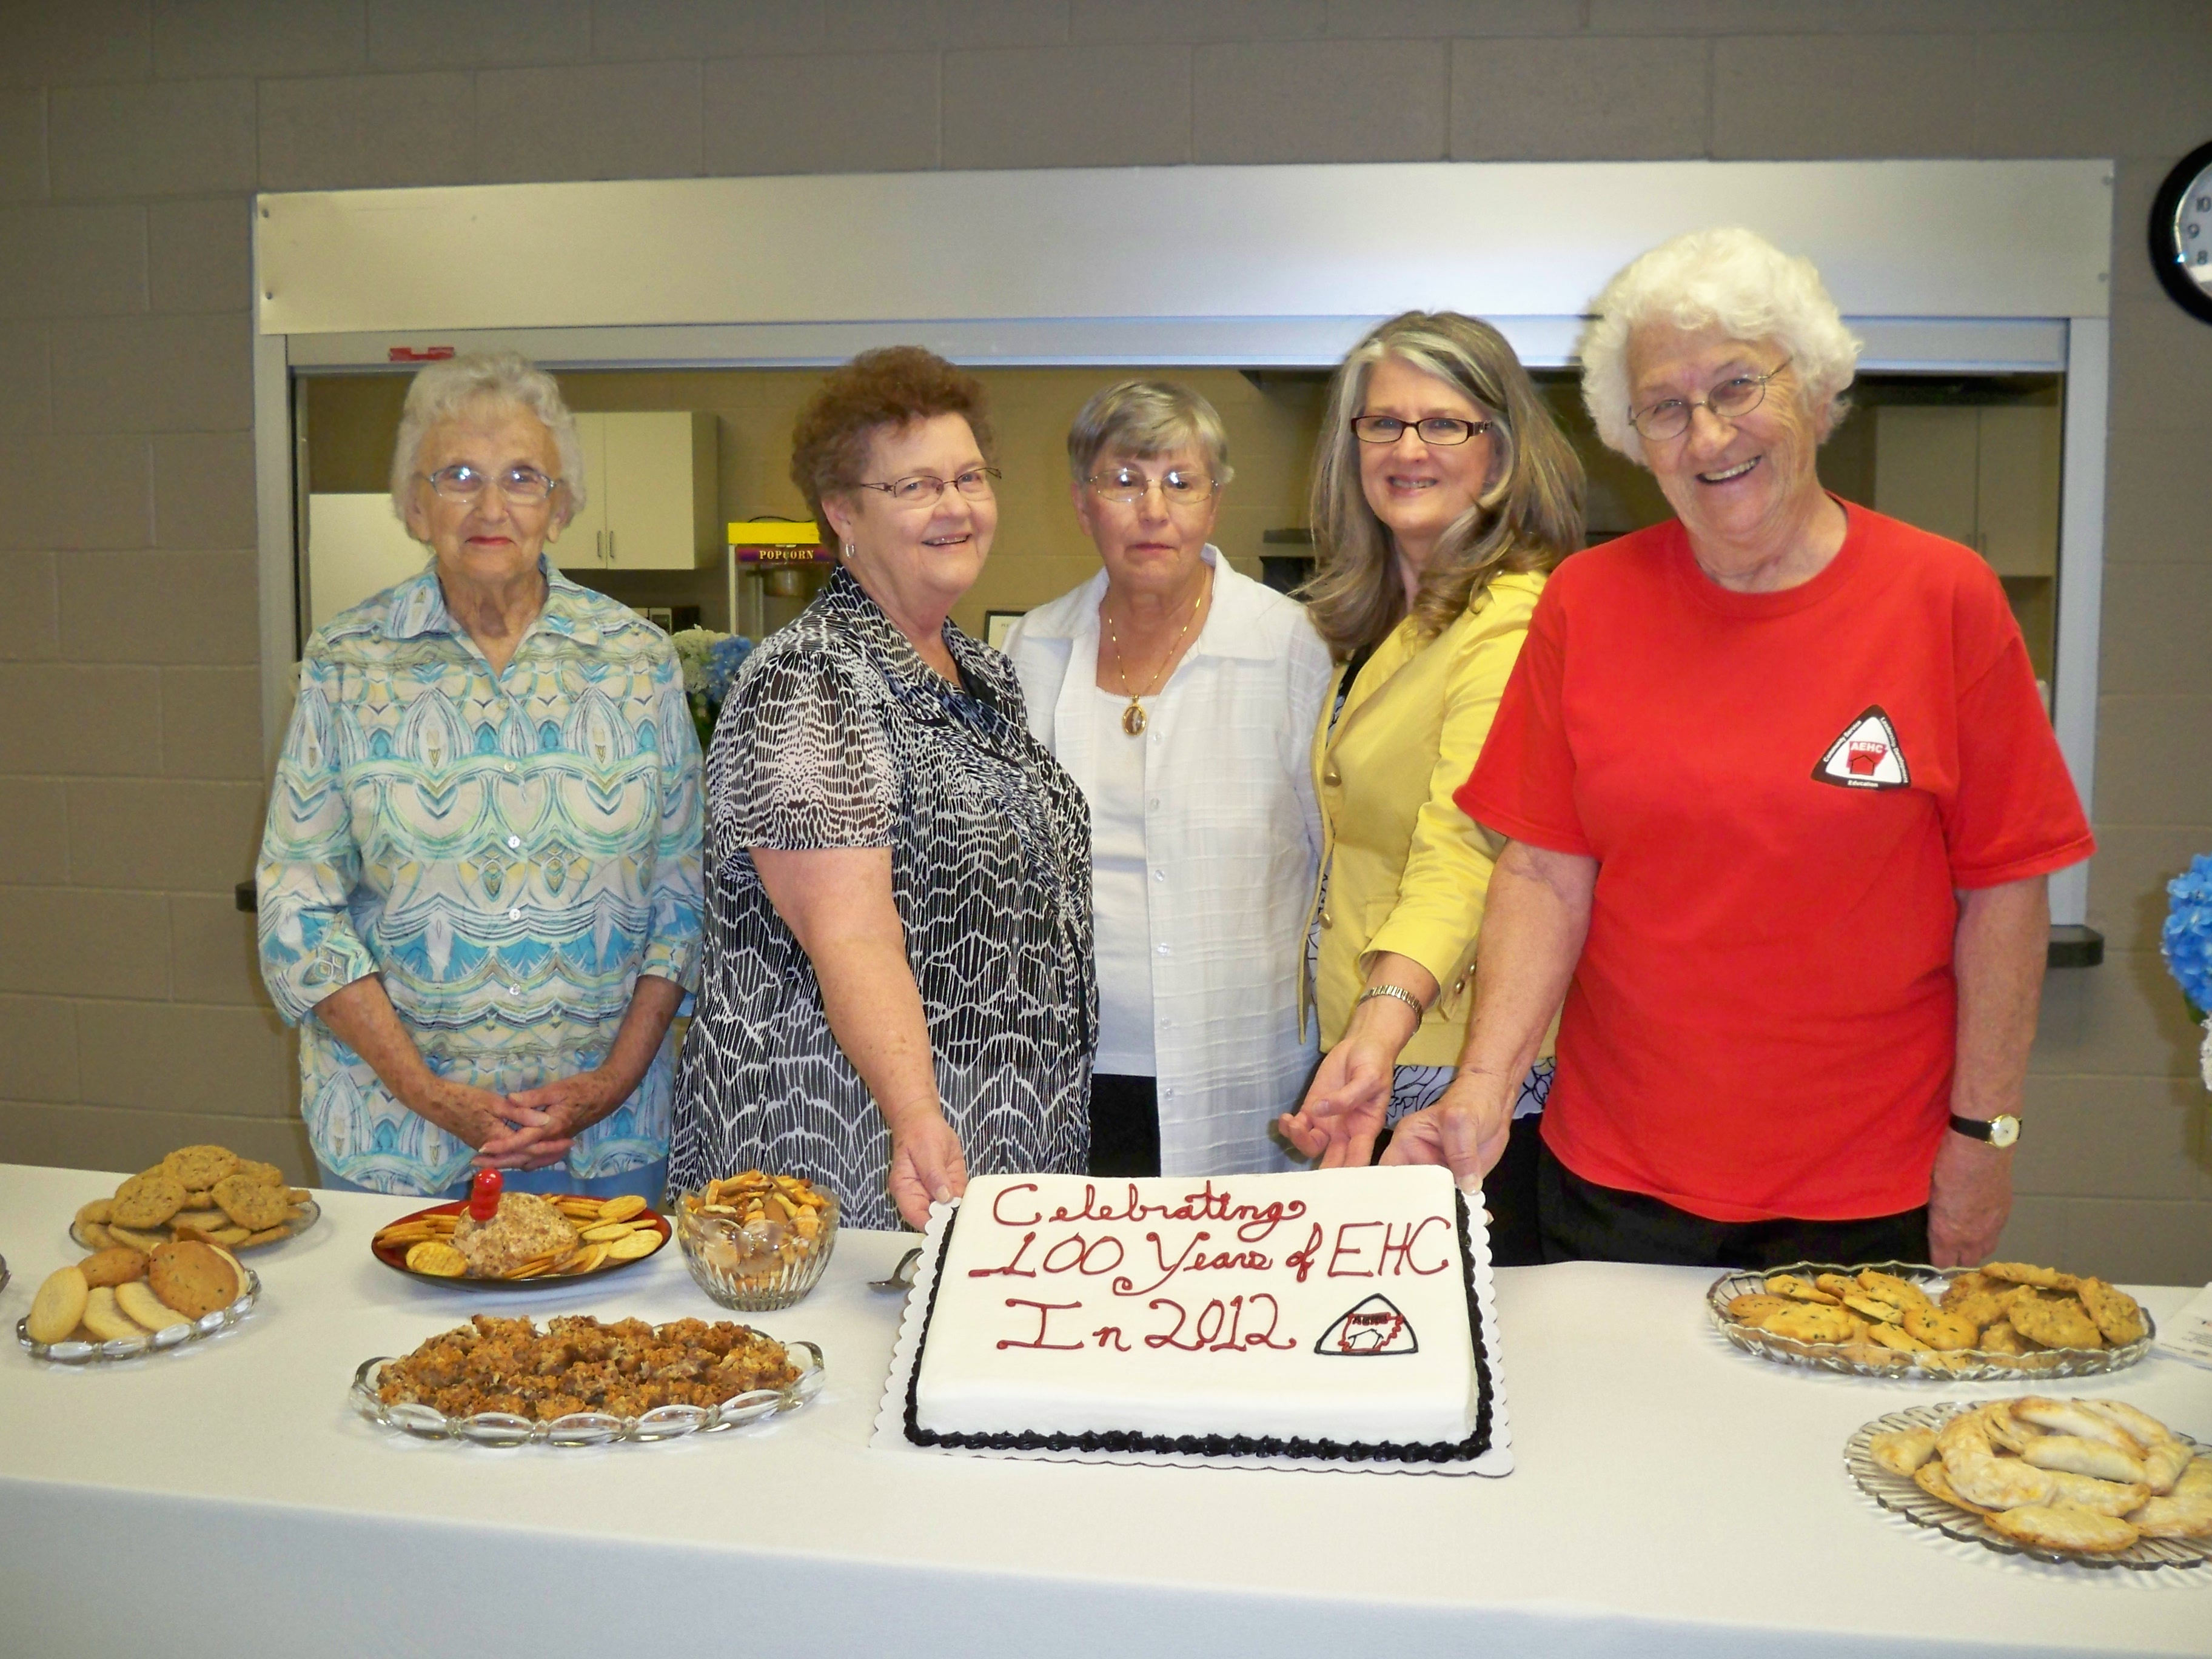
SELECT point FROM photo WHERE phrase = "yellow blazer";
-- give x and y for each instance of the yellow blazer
(1403, 867)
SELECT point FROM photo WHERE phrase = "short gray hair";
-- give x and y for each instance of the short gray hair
(1147, 417)
(1732, 279)
(446, 391)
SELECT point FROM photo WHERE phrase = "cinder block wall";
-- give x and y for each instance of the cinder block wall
(132, 133)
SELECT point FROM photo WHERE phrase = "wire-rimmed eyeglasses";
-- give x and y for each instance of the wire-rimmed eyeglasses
(1179, 486)
(924, 488)
(1731, 400)
(526, 486)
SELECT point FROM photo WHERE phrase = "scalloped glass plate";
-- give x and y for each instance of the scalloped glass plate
(1965, 1365)
(1901, 1495)
(311, 1213)
(590, 1428)
(136, 1347)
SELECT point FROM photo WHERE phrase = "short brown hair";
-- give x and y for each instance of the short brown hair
(892, 387)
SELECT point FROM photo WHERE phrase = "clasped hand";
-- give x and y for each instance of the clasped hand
(529, 1129)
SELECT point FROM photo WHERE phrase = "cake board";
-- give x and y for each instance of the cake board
(1496, 1460)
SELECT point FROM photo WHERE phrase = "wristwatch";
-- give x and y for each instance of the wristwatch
(2000, 1131)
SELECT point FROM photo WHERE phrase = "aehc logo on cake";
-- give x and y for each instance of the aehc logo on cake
(1372, 1326)
(1866, 756)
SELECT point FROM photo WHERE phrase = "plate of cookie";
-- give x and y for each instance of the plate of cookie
(2097, 1483)
(505, 1383)
(205, 1192)
(496, 1240)
(1999, 1322)
(121, 1303)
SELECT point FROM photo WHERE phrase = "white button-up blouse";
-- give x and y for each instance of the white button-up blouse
(1232, 841)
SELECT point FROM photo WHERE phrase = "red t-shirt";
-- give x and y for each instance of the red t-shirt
(1782, 792)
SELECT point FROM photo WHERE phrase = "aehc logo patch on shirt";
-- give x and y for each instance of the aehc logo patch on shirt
(1866, 756)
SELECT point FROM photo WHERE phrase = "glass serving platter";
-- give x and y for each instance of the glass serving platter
(310, 1212)
(589, 1428)
(1864, 1359)
(394, 1256)
(135, 1347)
(1900, 1495)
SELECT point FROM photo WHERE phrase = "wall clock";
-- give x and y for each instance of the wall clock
(2181, 233)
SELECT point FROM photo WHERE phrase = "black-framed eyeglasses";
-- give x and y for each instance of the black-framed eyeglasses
(1442, 431)
(1180, 486)
(923, 488)
(1731, 400)
(525, 485)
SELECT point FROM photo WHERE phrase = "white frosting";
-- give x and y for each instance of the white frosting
(1056, 1312)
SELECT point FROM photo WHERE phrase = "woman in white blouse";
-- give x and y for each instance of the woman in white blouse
(1182, 697)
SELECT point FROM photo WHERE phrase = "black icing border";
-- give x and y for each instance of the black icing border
(1221, 1445)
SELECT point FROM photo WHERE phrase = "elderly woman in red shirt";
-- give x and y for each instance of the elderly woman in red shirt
(1782, 803)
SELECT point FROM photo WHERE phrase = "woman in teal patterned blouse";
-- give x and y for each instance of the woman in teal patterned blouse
(479, 884)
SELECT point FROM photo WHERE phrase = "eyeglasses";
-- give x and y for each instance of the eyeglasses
(1731, 400)
(526, 486)
(921, 489)
(1442, 430)
(1180, 486)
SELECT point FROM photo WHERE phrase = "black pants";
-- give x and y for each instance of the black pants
(1509, 1192)
(1124, 1126)
(1585, 1222)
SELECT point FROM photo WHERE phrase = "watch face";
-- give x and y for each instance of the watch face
(2003, 1130)
(2181, 233)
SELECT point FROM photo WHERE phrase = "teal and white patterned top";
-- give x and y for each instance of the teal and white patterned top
(510, 853)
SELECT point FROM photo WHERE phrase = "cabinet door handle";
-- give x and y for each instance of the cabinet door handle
(611, 547)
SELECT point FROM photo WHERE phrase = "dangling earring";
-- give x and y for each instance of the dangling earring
(846, 553)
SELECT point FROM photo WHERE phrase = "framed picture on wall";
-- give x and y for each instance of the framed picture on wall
(997, 625)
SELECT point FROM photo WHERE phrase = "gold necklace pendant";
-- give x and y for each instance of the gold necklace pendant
(1132, 719)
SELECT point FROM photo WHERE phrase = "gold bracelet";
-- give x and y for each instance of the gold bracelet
(1398, 991)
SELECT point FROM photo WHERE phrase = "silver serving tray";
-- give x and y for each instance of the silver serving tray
(136, 1347)
(1900, 1495)
(1965, 1365)
(589, 1428)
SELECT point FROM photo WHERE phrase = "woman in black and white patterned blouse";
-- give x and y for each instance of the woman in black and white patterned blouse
(898, 985)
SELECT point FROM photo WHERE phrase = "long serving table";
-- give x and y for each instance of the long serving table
(1674, 1496)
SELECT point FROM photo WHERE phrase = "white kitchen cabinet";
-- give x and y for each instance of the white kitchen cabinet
(356, 546)
(1986, 477)
(651, 481)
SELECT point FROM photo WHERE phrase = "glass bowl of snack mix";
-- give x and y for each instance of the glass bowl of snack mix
(757, 1241)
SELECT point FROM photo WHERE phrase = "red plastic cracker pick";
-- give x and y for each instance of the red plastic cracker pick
(483, 1194)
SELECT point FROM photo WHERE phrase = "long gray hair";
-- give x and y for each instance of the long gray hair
(1528, 517)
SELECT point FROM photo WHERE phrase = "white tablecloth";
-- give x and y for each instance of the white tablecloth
(1673, 1496)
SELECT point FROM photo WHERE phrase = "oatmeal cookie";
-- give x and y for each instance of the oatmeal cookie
(2055, 1321)
(146, 1201)
(251, 1204)
(2119, 1316)
(200, 1167)
(116, 1264)
(193, 1277)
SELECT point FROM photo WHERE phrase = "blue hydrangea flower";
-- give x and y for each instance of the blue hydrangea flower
(2186, 938)
(723, 662)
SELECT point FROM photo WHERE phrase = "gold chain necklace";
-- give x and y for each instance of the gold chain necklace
(1132, 717)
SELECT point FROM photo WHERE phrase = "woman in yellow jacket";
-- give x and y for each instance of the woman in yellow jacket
(1442, 494)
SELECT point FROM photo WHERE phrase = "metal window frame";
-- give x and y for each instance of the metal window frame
(1989, 266)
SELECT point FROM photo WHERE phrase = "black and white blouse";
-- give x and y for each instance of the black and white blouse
(837, 735)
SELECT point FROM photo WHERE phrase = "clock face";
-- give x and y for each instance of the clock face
(2181, 233)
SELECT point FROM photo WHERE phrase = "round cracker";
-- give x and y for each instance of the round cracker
(626, 1207)
(633, 1246)
(437, 1258)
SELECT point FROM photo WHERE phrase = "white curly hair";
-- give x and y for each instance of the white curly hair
(1731, 278)
(446, 391)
